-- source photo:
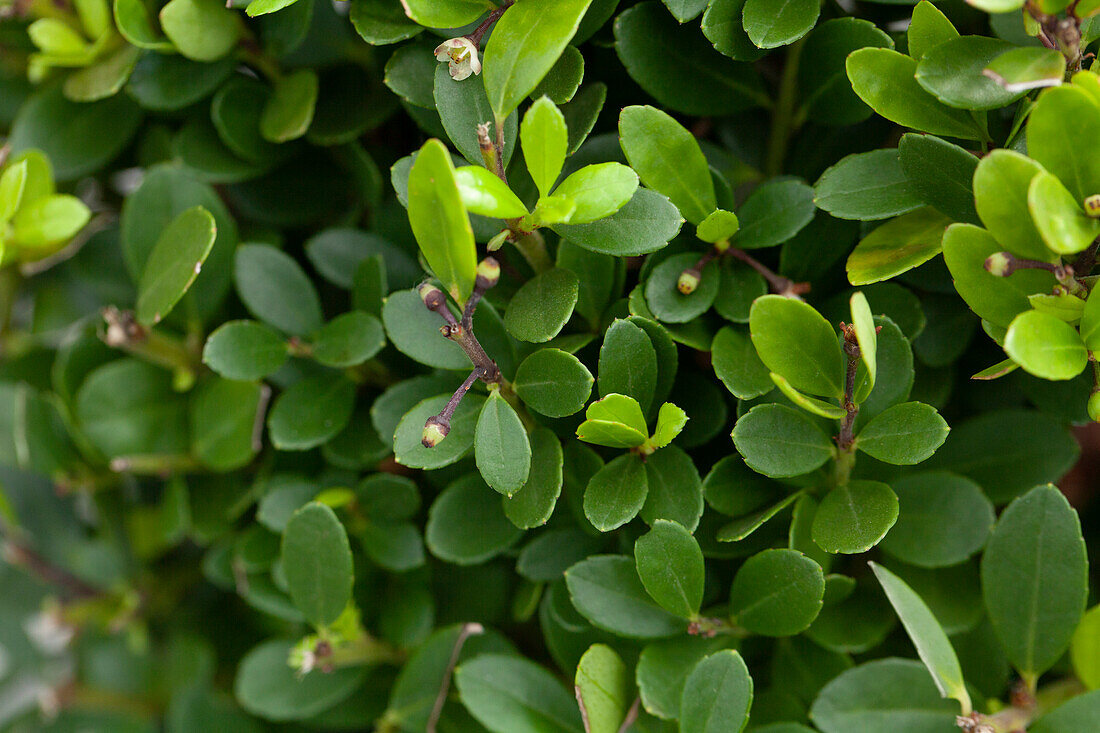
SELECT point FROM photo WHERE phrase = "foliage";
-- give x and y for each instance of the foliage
(636, 396)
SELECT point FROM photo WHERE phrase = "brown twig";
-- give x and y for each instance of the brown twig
(467, 631)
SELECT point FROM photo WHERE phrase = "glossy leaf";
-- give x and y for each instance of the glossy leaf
(316, 558)
(854, 517)
(796, 342)
(606, 590)
(616, 493)
(1046, 346)
(553, 383)
(544, 137)
(598, 190)
(601, 685)
(866, 186)
(174, 263)
(778, 441)
(904, 434)
(717, 695)
(483, 193)
(897, 246)
(501, 447)
(509, 694)
(670, 565)
(1059, 219)
(777, 593)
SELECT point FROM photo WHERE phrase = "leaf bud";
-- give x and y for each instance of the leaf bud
(999, 264)
(432, 296)
(1092, 206)
(689, 280)
(435, 430)
(488, 273)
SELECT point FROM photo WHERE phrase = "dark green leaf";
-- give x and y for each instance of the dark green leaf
(670, 565)
(606, 590)
(778, 441)
(317, 561)
(777, 593)
(854, 517)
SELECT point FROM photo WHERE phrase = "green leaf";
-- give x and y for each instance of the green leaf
(940, 173)
(581, 113)
(896, 693)
(263, 7)
(1046, 346)
(275, 289)
(1084, 650)
(289, 111)
(824, 85)
(270, 688)
(1063, 133)
(670, 421)
(510, 694)
(501, 448)
(316, 559)
(996, 299)
(601, 684)
(462, 106)
(445, 13)
(670, 565)
(223, 419)
(553, 383)
(484, 193)
(348, 339)
(885, 80)
(540, 309)
(1034, 579)
(943, 520)
(1022, 69)
(466, 523)
(598, 190)
(1065, 307)
(723, 27)
(717, 695)
(12, 183)
(668, 160)
(928, 28)
(201, 30)
(854, 517)
(796, 341)
(606, 590)
(1090, 323)
(777, 593)
(1018, 449)
(1058, 218)
(78, 138)
(778, 441)
(904, 434)
(863, 322)
(674, 489)
(439, 221)
(1073, 715)
(718, 226)
(644, 224)
(685, 10)
(104, 78)
(952, 71)
(379, 22)
(866, 186)
(174, 264)
(615, 494)
(774, 212)
(533, 504)
(897, 246)
(526, 43)
(311, 412)
(628, 363)
(773, 23)
(618, 408)
(927, 636)
(810, 404)
(1001, 184)
(414, 330)
(700, 82)
(663, 295)
(409, 451)
(735, 362)
(564, 78)
(544, 137)
(663, 668)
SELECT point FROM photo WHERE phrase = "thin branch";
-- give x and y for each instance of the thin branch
(779, 284)
(21, 555)
(444, 688)
(851, 350)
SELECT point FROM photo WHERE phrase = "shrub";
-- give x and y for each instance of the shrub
(593, 414)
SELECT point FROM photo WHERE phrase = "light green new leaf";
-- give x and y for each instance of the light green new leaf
(885, 80)
(545, 138)
(618, 408)
(897, 246)
(717, 695)
(1063, 135)
(525, 44)
(201, 30)
(446, 13)
(1058, 217)
(1046, 346)
(439, 221)
(670, 421)
(904, 434)
(598, 190)
(12, 182)
(42, 223)
(1002, 181)
(289, 110)
(501, 448)
(796, 341)
(668, 159)
(1090, 322)
(1035, 579)
(810, 404)
(316, 559)
(670, 566)
(718, 226)
(484, 193)
(927, 635)
(863, 321)
(602, 688)
(174, 263)
(928, 28)
(1027, 68)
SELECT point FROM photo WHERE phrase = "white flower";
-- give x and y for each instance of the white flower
(461, 56)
